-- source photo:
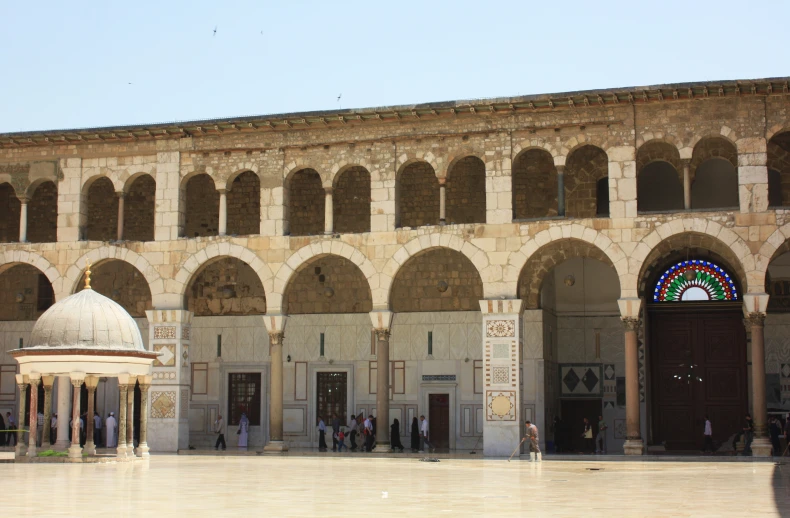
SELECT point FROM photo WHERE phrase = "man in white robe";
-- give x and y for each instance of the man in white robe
(110, 426)
(244, 427)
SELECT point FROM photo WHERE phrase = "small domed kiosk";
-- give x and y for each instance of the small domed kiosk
(84, 337)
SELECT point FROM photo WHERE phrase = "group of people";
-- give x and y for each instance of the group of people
(9, 438)
(593, 442)
(366, 428)
(243, 431)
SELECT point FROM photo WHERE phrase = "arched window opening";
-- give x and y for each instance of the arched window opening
(226, 286)
(102, 222)
(659, 188)
(418, 196)
(10, 209)
(25, 293)
(202, 207)
(466, 192)
(306, 203)
(584, 191)
(351, 201)
(138, 209)
(779, 170)
(534, 185)
(244, 205)
(42, 214)
(714, 174)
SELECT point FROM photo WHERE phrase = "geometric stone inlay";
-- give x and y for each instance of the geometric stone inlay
(164, 332)
(571, 380)
(163, 404)
(167, 357)
(785, 369)
(500, 375)
(608, 372)
(581, 380)
(590, 380)
(501, 351)
(501, 405)
(500, 328)
(185, 333)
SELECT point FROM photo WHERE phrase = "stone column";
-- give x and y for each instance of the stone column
(761, 446)
(123, 389)
(145, 385)
(47, 381)
(329, 214)
(633, 443)
(686, 184)
(64, 400)
(503, 426)
(32, 434)
(275, 324)
(223, 212)
(560, 190)
(121, 197)
(23, 220)
(130, 417)
(442, 204)
(90, 444)
(21, 384)
(382, 321)
(75, 451)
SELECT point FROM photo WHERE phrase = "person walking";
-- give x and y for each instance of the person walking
(11, 424)
(335, 431)
(53, 428)
(219, 429)
(587, 435)
(321, 434)
(368, 431)
(600, 439)
(352, 434)
(341, 441)
(424, 435)
(775, 430)
(243, 431)
(39, 428)
(415, 435)
(2, 430)
(110, 427)
(708, 435)
(748, 434)
(395, 436)
(534, 442)
(97, 430)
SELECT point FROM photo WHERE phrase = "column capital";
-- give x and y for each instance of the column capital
(120, 194)
(48, 381)
(91, 382)
(631, 323)
(382, 335)
(276, 337)
(754, 319)
(685, 162)
(222, 192)
(328, 190)
(442, 181)
(24, 200)
(34, 381)
(22, 380)
(560, 169)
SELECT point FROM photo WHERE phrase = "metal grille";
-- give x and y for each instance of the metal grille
(331, 395)
(244, 395)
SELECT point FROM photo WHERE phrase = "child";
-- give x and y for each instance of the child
(341, 437)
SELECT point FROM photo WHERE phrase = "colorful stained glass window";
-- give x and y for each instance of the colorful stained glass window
(695, 280)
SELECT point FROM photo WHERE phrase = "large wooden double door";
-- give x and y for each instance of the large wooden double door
(698, 368)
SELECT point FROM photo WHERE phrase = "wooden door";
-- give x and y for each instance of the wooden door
(439, 420)
(332, 397)
(698, 368)
(573, 413)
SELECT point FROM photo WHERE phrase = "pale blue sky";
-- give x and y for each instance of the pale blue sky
(68, 64)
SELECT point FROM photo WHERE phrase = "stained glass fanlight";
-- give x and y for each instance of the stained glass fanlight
(695, 280)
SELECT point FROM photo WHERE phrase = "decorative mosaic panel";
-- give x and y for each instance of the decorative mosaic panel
(500, 351)
(163, 405)
(580, 380)
(185, 332)
(438, 377)
(167, 357)
(500, 375)
(184, 403)
(501, 405)
(500, 328)
(164, 332)
(164, 375)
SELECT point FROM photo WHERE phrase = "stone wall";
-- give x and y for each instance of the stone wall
(202, 207)
(584, 168)
(244, 205)
(351, 201)
(306, 204)
(102, 222)
(42, 214)
(466, 191)
(418, 196)
(138, 210)
(329, 284)
(9, 214)
(24, 295)
(226, 287)
(436, 280)
(534, 185)
(123, 283)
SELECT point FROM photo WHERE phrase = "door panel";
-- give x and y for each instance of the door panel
(439, 420)
(573, 413)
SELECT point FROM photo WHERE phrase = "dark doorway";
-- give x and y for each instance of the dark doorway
(439, 420)
(332, 396)
(573, 413)
(698, 368)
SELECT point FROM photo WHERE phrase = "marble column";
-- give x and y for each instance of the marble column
(121, 197)
(223, 212)
(32, 434)
(383, 390)
(64, 402)
(686, 184)
(130, 416)
(560, 190)
(275, 325)
(442, 206)
(90, 443)
(145, 385)
(761, 446)
(123, 389)
(329, 212)
(23, 220)
(21, 384)
(46, 437)
(75, 451)
(633, 438)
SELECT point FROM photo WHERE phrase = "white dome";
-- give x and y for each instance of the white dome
(87, 320)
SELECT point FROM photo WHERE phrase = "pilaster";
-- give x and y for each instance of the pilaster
(275, 325)
(168, 195)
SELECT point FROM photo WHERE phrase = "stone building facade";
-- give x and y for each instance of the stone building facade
(463, 260)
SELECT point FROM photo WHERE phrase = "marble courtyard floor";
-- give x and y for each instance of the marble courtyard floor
(172, 485)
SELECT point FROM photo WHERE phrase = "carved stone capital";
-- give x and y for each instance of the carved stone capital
(276, 338)
(34, 382)
(631, 324)
(382, 335)
(754, 319)
(560, 169)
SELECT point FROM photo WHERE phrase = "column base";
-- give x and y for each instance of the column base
(761, 447)
(90, 448)
(121, 451)
(61, 445)
(383, 447)
(142, 450)
(32, 451)
(20, 450)
(275, 447)
(634, 447)
(75, 451)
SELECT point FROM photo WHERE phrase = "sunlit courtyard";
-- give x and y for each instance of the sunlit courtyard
(170, 485)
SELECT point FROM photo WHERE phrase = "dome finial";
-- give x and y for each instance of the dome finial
(88, 274)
